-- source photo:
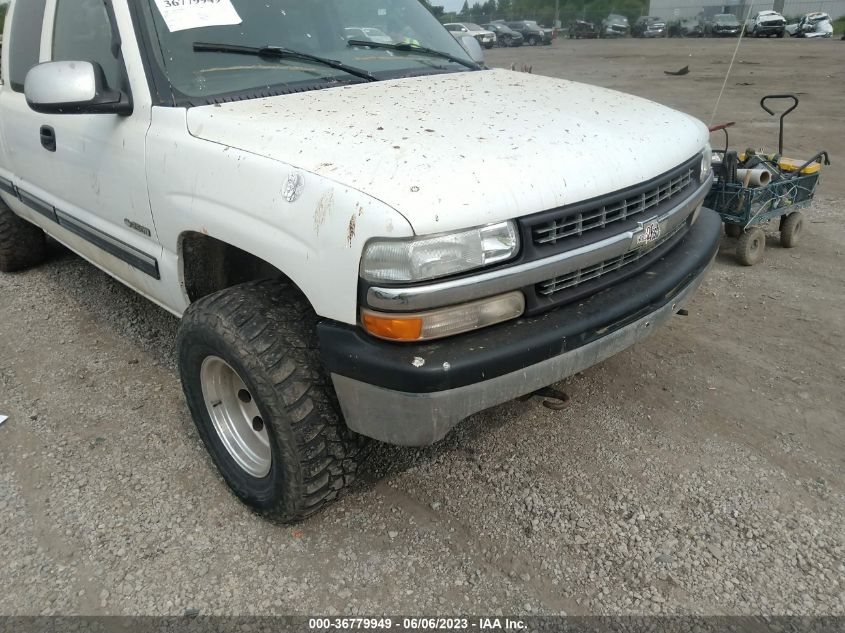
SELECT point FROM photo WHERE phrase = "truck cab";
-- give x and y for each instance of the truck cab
(362, 238)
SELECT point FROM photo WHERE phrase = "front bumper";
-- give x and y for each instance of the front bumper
(413, 395)
(769, 29)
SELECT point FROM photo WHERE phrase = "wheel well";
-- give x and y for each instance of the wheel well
(210, 265)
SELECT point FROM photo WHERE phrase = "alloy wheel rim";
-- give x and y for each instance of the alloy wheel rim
(236, 417)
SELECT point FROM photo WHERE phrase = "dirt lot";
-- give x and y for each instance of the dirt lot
(700, 472)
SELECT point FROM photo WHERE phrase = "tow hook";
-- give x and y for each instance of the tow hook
(557, 400)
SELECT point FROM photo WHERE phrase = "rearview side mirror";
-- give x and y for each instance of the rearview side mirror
(73, 88)
(472, 47)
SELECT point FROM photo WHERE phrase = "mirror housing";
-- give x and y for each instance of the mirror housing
(471, 46)
(73, 88)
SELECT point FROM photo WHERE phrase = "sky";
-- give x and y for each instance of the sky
(450, 5)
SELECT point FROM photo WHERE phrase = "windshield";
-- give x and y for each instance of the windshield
(725, 19)
(320, 28)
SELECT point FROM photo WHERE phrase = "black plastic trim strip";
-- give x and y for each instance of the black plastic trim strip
(124, 252)
(121, 250)
(38, 205)
(8, 187)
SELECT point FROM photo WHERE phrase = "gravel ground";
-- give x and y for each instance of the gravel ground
(700, 472)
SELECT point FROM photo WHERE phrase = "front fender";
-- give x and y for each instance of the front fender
(309, 227)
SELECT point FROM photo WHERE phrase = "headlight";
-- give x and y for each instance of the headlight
(706, 162)
(423, 258)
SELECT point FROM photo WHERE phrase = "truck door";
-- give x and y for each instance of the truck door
(88, 167)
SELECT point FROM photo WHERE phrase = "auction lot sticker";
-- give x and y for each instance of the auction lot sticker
(181, 15)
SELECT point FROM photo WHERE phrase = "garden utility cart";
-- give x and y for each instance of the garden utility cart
(752, 188)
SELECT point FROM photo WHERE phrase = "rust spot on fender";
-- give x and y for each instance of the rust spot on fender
(350, 231)
(324, 207)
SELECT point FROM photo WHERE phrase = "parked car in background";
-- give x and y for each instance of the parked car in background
(505, 36)
(690, 27)
(812, 25)
(615, 25)
(723, 25)
(766, 23)
(550, 32)
(532, 32)
(649, 26)
(367, 33)
(581, 29)
(486, 38)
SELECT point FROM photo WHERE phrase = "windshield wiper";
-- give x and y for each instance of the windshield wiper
(280, 52)
(414, 48)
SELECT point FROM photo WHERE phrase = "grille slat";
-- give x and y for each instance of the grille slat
(583, 275)
(575, 224)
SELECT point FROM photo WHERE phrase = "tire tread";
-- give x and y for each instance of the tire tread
(22, 245)
(272, 321)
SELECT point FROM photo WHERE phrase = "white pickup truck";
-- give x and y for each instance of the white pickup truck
(361, 237)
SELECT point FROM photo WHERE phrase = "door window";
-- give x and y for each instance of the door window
(83, 33)
(25, 40)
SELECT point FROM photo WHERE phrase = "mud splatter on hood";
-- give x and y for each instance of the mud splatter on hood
(450, 151)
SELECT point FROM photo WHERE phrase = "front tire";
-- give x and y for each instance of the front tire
(22, 245)
(262, 404)
(533, 40)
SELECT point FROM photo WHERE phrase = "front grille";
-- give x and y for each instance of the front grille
(576, 224)
(583, 275)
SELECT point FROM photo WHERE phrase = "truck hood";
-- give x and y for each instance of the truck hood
(463, 149)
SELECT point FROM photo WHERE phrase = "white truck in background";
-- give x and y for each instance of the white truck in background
(361, 237)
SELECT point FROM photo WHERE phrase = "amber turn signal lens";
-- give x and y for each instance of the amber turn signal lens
(408, 329)
(427, 326)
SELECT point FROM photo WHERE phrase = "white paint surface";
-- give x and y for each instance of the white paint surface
(464, 149)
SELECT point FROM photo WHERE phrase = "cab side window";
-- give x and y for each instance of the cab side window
(83, 33)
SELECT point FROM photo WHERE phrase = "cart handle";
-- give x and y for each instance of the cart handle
(815, 159)
(782, 116)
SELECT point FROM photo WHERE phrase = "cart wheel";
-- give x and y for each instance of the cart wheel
(733, 230)
(790, 229)
(750, 247)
